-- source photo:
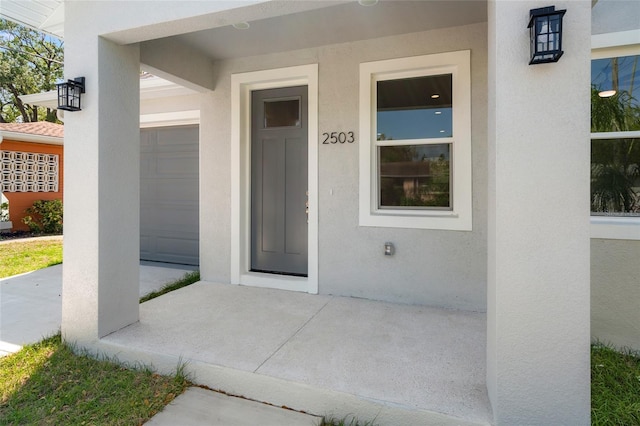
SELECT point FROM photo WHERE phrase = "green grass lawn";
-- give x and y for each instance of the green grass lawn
(615, 387)
(47, 384)
(188, 279)
(24, 256)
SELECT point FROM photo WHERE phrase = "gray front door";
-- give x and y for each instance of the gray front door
(279, 181)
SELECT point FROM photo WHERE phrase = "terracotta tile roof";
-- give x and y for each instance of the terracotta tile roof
(40, 128)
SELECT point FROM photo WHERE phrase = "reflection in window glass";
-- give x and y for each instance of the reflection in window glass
(282, 113)
(615, 177)
(414, 108)
(415, 176)
(615, 105)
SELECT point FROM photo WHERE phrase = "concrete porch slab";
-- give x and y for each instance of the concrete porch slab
(325, 355)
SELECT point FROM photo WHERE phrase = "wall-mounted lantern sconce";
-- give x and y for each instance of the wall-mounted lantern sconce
(69, 94)
(545, 32)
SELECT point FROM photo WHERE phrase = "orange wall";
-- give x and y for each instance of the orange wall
(20, 201)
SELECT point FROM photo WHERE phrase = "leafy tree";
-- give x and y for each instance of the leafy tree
(30, 62)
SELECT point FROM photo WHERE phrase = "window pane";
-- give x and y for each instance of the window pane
(415, 176)
(284, 113)
(554, 23)
(614, 94)
(414, 108)
(615, 177)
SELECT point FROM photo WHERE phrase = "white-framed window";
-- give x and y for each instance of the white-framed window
(615, 143)
(415, 142)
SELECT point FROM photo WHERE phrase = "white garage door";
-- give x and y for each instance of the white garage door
(169, 195)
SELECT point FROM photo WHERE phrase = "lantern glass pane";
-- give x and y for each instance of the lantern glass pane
(74, 96)
(532, 39)
(542, 42)
(61, 95)
(553, 42)
(541, 25)
(555, 23)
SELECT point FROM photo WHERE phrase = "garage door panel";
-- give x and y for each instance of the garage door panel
(147, 141)
(171, 247)
(168, 165)
(169, 206)
(180, 220)
(173, 251)
(182, 147)
(167, 245)
(176, 165)
(174, 191)
(146, 166)
(169, 192)
(145, 245)
(176, 139)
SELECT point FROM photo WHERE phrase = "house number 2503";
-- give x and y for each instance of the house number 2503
(338, 137)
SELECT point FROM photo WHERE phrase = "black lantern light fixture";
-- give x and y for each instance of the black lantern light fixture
(69, 94)
(545, 32)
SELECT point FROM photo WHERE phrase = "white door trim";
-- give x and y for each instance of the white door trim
(241, 87)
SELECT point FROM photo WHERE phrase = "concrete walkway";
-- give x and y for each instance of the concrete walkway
(199, 406)
(31, 303)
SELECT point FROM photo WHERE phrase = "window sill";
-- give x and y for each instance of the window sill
(448, 221)
(615, 228)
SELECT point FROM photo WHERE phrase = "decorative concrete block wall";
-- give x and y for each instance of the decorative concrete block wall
(29, 172)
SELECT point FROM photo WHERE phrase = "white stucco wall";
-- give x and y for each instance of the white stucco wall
(441, 268)
(538, 366)
(615, 292)
(101, 198)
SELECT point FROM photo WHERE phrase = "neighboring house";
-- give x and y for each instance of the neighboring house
(308, 121)
(31, 165)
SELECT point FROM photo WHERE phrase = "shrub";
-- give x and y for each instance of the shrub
(45, 216)
(4, 212)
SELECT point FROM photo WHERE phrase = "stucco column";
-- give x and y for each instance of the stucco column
(538, 233)
(102, 180)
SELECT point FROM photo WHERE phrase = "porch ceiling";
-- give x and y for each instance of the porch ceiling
(333, 24)
(43, 15)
